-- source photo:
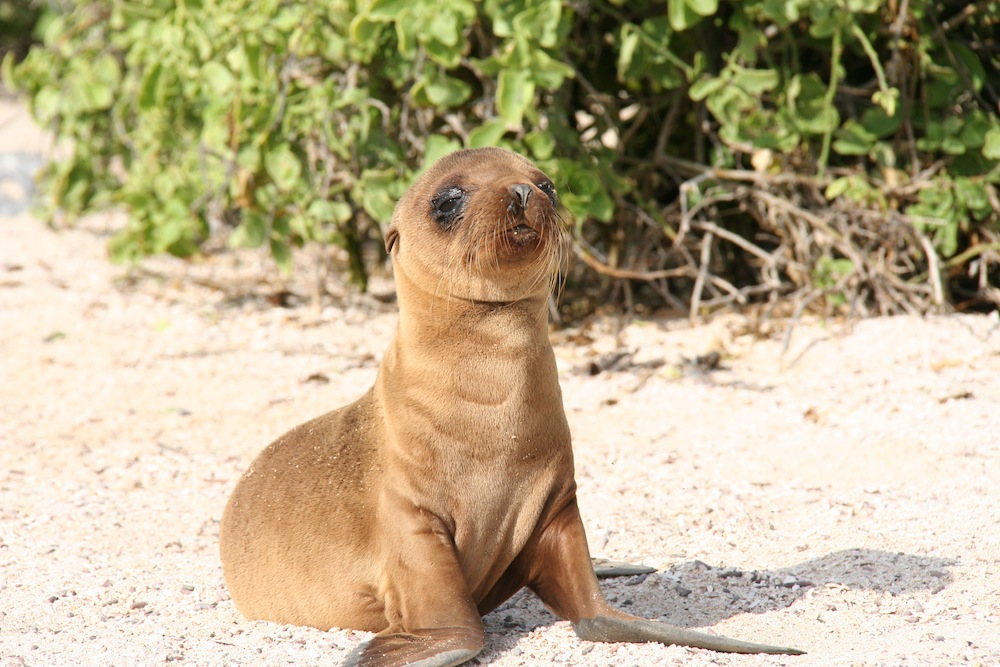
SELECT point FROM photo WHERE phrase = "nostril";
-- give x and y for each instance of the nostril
(522, 191)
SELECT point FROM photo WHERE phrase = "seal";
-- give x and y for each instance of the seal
(449, 485)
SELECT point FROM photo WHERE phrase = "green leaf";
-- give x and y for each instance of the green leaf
(864, 6)
(937, 213)
(165, 185)
(973, 66)
(468, 10)
(953, 125)
(183, 247)
(706, 86)
(288, 18)
(626, 52)
(837, 187)
(804, 88)
(92, 86)
(952, 145)
(541, 22)
(826, 20)
(122, 248)
(443, 54)
(330, 211)
(781, 11)
(541, 144)
(376, 198)
(578, 207)
(881, 125)
(584, 183)
(84, 96)
(386, 10)
(7, 72)
(218, 77)
(829, 270)
(502, 15)
(703, 7)
(150, 91)
(991, 144)
(491, 66)
(680, 15)
(824, 119)
(853, 139)
(974, 196)
(282, 255)
(107, 71)
(249, 158)
(408, 30)
(170, 227)
(888, 100)
(363, 30)
(487, 134)
(445, 91)
(515, 93)
(755, 81)
(943, 87)
(437, 147)
(46, 105)
(444, 29)
(250, 233)
(283, 166)
(548, 72)
(975, 129)
(883, 154)
(602, 206)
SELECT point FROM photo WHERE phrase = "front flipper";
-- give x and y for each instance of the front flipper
(433, 621)
(440, 647)
(562, 575)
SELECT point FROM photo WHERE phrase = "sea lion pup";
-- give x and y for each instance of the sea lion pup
(449, 485)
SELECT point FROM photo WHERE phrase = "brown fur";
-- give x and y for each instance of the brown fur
(449, 485)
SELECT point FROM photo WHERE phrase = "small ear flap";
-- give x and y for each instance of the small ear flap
(391, 235)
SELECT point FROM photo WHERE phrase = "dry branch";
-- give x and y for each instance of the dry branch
(782, 238)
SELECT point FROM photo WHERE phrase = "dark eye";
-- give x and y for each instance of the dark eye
(447, 205)
(549, 189)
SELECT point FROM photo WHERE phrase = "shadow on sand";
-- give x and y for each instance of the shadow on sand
(694, 594)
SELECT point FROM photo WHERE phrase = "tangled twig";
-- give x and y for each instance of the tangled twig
(752, 236)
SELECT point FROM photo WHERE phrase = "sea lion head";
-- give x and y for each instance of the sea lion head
(480, 225)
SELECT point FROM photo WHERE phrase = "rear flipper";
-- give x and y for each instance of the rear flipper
(639, 630)
(605, 568)
(562, 574)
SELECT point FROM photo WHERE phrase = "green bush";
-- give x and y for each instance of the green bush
(17, 22)
(834, 152)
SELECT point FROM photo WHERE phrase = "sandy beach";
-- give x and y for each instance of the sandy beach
(840, 494)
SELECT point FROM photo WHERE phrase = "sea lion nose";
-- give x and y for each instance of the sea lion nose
(522, 191)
